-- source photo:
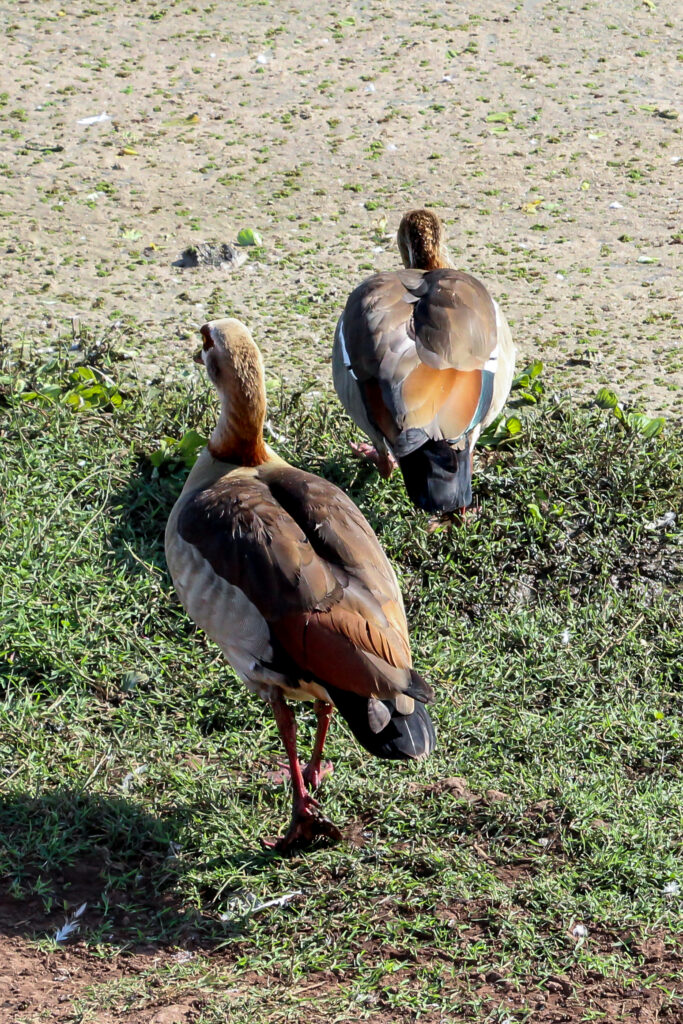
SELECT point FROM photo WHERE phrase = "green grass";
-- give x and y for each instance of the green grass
(133, 763)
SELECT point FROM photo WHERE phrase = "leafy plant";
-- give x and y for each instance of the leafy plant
(530, 388)
(634, 422)
(172, 450)
(506, 429)
(83, 388)
(247, 236)
(503, 430)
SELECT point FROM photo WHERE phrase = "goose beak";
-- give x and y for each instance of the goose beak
(197, 357)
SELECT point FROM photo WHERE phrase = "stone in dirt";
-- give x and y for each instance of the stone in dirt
(211, 254)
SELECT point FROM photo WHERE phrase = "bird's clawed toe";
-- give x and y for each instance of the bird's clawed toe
(385, 461)
(307, 824)
(278, 776)
(314, 774)
(364, 450)
(458, 517)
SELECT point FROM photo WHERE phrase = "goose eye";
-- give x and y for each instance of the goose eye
(208, 340)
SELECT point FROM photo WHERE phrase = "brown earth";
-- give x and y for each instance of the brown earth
(40, 981)
(38, 984)
(546, 135)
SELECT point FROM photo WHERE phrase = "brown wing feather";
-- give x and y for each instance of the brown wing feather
(308, 560)
(416, 342)
(379, 411)
(455, 320)
(341, 534)
(249, 541)
(456, 413)
(375, 323)
(334, 648)
(424, 392)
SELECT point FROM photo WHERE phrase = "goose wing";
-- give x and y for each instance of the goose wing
(418, 351)
(307, 561)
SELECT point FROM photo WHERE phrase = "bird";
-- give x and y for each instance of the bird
(281, 569)
(423, 361)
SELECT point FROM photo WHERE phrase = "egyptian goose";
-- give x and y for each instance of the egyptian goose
(423, 361)
(285, 574)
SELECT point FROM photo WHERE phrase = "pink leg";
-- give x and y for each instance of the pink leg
(307, 822)
(385, 461)
(315, 772)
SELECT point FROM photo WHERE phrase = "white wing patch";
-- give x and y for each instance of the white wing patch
(493, 358)
(492, 361)
(344, 350)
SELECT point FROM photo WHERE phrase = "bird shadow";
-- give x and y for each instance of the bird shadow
(111, 870)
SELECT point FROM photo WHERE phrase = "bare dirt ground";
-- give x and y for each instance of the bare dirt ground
(76, 984)
(546, 135)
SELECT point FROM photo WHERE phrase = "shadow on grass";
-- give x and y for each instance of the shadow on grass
(63, 849)
(140, 512)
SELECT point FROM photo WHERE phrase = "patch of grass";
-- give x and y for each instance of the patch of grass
(134, 763)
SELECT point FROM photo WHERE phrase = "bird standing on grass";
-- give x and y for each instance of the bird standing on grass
(423, 362)
(285, 574)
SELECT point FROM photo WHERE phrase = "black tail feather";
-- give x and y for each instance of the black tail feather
(404, 738)
(438, 477)
(419, 688)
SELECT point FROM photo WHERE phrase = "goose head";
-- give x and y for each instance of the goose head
(420, 241)
(235, 367)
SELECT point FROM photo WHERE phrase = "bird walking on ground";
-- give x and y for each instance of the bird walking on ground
(284, 573)
(423, 361)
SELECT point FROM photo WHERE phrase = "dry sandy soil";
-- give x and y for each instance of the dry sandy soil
(546, 135)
